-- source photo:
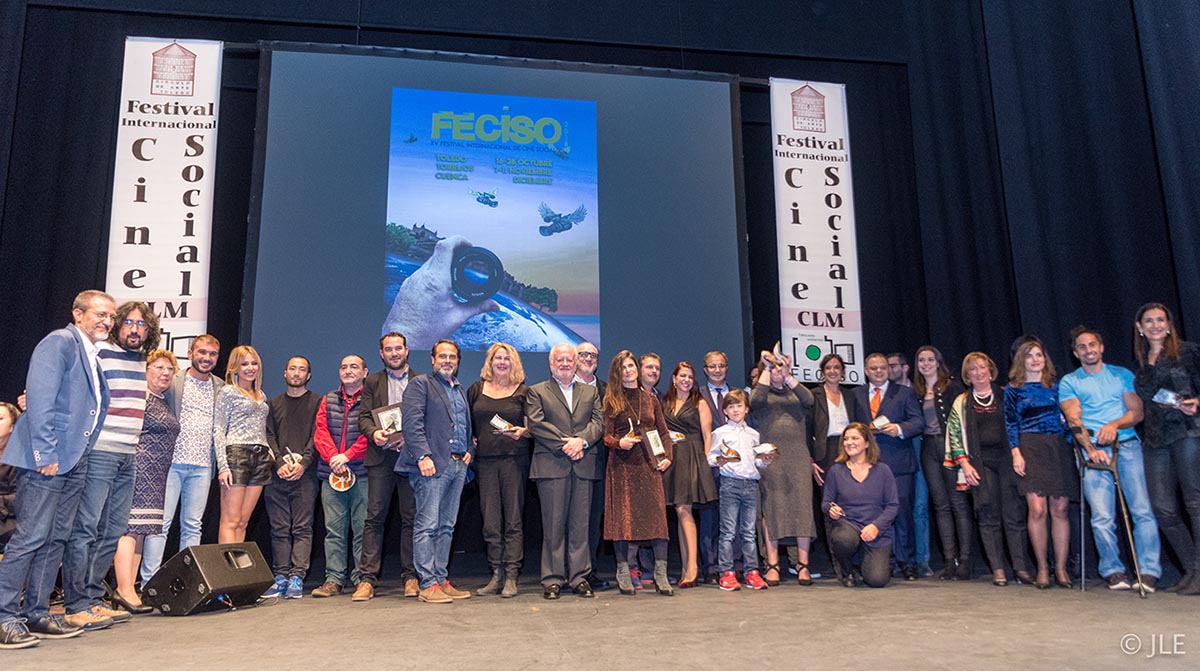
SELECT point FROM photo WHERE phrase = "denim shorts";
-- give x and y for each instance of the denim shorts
(250, 465)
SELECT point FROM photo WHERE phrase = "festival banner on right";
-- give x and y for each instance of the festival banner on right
(820, 309)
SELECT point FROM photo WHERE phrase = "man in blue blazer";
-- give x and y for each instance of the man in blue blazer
(881, 398)
(437, 453)
(67, 399)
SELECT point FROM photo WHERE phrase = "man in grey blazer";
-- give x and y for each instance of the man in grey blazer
(565, 417)
(192, 396)
(67, 399)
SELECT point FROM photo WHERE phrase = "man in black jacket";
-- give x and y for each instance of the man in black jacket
(383, 448)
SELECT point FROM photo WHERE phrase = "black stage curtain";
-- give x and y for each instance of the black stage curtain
(1086, 221)
(1167, 31)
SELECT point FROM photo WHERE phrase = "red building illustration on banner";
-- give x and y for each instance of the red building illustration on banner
(808, 109)
(173, 71)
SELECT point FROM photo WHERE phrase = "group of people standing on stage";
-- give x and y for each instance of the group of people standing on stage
(117, 441)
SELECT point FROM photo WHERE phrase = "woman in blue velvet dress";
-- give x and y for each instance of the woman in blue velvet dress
(1042, 456)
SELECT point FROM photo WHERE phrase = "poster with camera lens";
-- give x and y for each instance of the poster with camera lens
(492, 220)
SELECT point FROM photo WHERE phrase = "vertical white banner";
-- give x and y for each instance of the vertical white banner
(160, 235)
(819, 305)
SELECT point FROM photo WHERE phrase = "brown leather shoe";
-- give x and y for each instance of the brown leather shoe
(453, 592)
(412, 587)
(117, 616)
(364, 592)
(434, 594)
(329, 588)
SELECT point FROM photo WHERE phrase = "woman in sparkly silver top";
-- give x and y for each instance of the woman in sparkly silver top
(240, 431)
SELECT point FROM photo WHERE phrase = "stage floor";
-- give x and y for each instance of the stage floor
(922, 625)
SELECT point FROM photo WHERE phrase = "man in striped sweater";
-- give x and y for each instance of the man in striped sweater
(108, 489)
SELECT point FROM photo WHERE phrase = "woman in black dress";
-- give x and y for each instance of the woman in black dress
(501, 463)
(689, 480)
(1172, 426)
(155, 448)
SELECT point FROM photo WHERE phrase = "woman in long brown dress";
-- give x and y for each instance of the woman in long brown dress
(634, 503)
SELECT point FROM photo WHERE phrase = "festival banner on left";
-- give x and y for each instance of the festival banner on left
(161, 228)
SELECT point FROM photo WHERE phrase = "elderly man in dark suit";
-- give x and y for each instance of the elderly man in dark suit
(565, 417)
(877, 399)
(380, 390)
(437, 453)
(67, 399)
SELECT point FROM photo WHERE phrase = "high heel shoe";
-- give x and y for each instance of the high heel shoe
(1023, 578)
(999, 579)
(119, 600)
(1042, 583)
(1063, 581)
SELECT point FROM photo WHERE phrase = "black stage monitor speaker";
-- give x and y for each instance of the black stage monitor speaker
(209, 577)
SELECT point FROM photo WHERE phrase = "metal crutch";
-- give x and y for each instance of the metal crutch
(1111, 467)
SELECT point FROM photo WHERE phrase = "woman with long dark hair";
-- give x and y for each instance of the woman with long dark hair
(1168, 382)
(635, 508)
(689, 480)
(1041, 456)
(936, 390)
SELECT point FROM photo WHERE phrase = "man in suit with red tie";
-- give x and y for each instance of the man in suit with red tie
(895, 414)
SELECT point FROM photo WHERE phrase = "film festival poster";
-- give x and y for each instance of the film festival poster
(517, 178)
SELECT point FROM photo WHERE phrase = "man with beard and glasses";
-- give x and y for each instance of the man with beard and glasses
(50, 446)
(437, 453)
(380, 390)
(192, 396)
(292, 496)
(108, 489)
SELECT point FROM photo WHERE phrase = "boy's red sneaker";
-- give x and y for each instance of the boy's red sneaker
(755, 581)
(729, 582)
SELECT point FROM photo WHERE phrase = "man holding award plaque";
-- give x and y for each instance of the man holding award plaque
(382, 395)
(566, 422)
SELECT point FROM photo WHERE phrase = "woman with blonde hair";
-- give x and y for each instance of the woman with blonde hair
(501, 463)
(240, 432)
(978, 456)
